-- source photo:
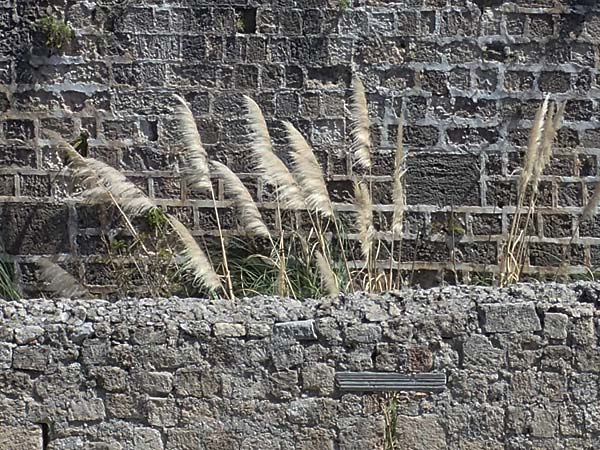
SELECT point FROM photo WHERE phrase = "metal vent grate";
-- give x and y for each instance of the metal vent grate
(389, 381)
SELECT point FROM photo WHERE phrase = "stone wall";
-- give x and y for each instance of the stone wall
(522, 367)
(467, 74)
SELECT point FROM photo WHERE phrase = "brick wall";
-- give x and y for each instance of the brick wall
(467, 74)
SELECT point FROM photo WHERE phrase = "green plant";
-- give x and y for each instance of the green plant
(343, 5)
(389, 407)
(8, 287)
(57, 33)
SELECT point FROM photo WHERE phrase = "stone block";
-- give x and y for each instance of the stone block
(363, 334)
(181, 439)
(155, 383)
(147, 439)
(21, 437)
(84, 410)
(544, 423)
(6, 356)
(301, 330)
(229, 329)
(420, 433)
(510, 318)
(319, 378)
(31, 358)
(188, 382)
(112, 379)
(27, 334)
(480, 354)
(162, 412)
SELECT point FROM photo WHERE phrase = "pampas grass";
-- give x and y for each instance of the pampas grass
(533, 144)
(59, 281)
(194, 258)
(197, 175)
(309, 174)
(399, 194)
(361, 135)
(328, 278)
(364, 219)
(104, 183)
(273, 170)
(250, 216)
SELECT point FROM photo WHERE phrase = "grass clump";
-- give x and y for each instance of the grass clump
(57, 33)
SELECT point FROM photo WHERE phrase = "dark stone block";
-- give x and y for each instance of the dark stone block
(34, 229)
(17, 156)
(439, 179)
(18, 129)
(544, 254)
(486, 224)
(557, 226)
(554, 82)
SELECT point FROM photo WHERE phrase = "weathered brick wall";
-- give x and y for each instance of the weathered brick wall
(522, 366)
(467, 74)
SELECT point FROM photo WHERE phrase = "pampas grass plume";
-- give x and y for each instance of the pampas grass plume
(250, 216)
(60, 282)
(274, 171)
(197, 176)
(328, 278)
(309, 173)
(364, 218)
(399, 194)
(361, 136)
(195, 260)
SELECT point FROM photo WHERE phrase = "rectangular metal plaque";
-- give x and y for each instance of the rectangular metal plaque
(390, 381)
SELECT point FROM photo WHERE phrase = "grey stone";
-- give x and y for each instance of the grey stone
(20, 437)
(31, 358)
(511, 318)
(319, 378)
(420, 433)
(480, 354)
(555, 325)
(147, 439)
(5, 356)
(27, 334)
(155, 382)
(86, 410)
(363, 334)
(301, 330)
(229, 329)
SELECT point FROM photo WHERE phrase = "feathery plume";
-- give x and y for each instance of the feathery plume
(197, 175)
(274, 171)
(328, 278)
(590, 208)
(309, 174)
(103, 181)
(195, 260)
(361, 136)
(59, 281)
(533, 144)
(545, 148)
(250, 216)
(364, 218)
(399, 194)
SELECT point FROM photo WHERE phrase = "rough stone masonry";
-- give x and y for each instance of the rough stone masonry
(468, 76)
(522, 364)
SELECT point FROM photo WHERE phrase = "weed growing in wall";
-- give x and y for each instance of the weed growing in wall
(57, 33)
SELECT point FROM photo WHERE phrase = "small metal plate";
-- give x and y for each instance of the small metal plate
(390, 381)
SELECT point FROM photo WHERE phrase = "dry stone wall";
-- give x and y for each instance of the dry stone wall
(468, 76)
(522, 367)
